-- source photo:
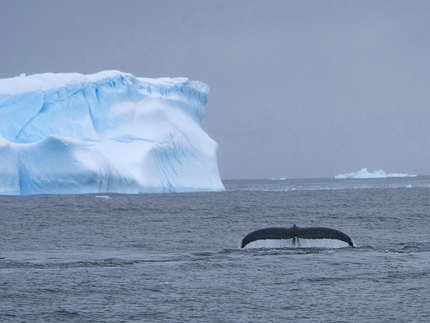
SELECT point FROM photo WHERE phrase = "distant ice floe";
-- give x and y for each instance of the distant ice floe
(377, 174)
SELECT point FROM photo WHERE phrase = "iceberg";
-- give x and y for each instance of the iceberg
(377, 174)
(105, 132)
(400, 175)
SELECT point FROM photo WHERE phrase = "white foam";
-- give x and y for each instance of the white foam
(299, 243)
(106, 197)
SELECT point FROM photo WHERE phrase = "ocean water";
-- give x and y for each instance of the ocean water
(176, 257)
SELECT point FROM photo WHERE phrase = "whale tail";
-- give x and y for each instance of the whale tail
(296, 236)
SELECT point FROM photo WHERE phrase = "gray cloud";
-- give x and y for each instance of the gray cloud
(298, 88)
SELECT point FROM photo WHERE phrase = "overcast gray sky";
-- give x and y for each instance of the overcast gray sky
(298, 88)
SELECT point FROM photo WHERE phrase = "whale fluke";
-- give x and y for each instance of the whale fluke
(295, 234)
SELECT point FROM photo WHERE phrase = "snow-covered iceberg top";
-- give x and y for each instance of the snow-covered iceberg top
(105, 132)
(377, 174)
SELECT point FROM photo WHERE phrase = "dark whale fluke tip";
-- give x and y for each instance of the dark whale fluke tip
(295, 233)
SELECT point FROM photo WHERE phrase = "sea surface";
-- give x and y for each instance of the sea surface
(176, 257)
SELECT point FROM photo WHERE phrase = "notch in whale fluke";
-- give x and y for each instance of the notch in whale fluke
(296, 237)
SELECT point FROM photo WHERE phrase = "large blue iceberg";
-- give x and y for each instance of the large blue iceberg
(105, 132)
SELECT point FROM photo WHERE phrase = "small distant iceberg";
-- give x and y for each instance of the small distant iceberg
(400, 175)
(365, 174)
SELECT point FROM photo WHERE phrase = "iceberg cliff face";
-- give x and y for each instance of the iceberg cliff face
(106, 132)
